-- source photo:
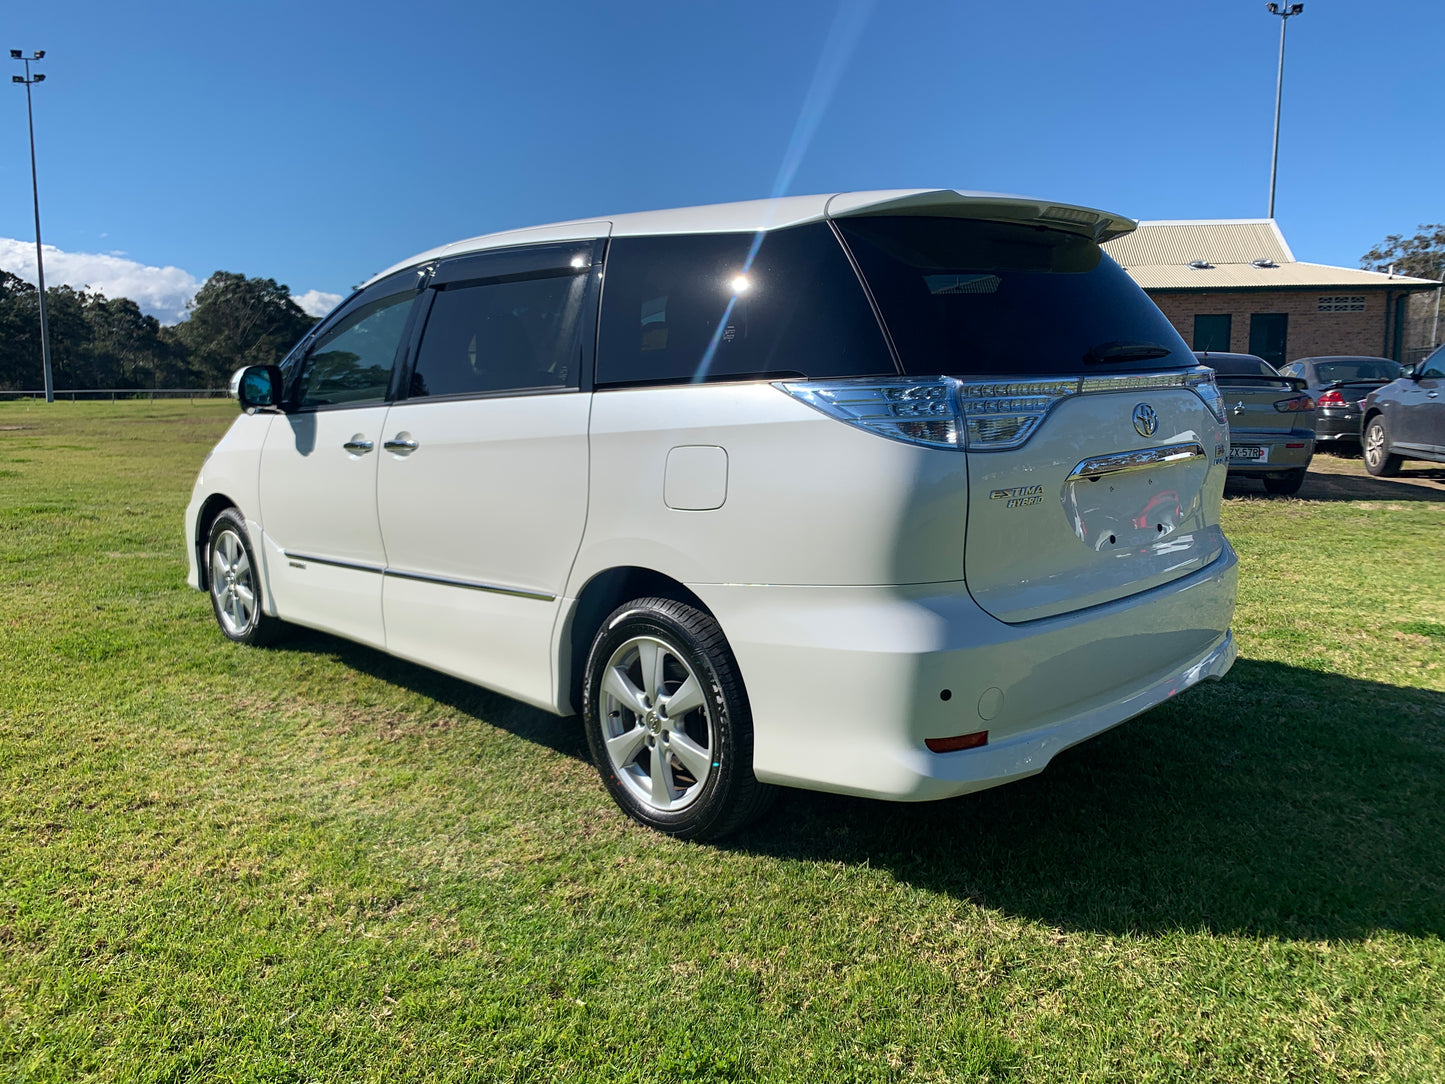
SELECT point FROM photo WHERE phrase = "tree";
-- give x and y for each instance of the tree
(1421, 256)
(19, 333)
(236, 321)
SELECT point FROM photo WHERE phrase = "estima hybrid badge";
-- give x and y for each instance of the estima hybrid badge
(1145, 420)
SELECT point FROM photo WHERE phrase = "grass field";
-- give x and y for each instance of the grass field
(313, 862)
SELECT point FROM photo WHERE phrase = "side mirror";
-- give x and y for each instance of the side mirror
(257, 386)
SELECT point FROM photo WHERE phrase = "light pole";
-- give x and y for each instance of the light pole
(1284, 11)
(29, 80)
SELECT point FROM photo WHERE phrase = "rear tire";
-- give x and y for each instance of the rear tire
(1378, 459)
(668, 722)
(1287, 486)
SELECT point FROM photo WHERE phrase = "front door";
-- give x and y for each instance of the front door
(482, 481)
(324, 550)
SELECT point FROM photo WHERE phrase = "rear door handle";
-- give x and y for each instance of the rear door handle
(401, 444)
(358, 445)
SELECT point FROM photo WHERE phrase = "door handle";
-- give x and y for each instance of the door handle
(401, 444)
(358, 445)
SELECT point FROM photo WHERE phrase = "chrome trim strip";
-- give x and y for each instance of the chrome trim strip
(471, 585)
(355, 566)
(1142, 459)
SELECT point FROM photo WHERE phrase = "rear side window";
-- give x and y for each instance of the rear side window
(501, 336)
(964, 297)
(705, 307)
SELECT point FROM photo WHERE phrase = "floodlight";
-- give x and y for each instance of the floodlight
(40, 53)
(17, 79)
(14, 54)
(1273, 9)
(39, 78)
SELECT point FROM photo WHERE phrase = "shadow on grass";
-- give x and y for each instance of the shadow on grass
(1280, 802)
(1416, 482)
(560, 735)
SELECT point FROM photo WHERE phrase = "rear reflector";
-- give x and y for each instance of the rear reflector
(953, 745)
(1294, 445)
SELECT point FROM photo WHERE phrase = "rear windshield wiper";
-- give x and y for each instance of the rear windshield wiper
(1125, 351)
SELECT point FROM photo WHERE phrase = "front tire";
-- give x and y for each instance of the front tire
(1378, 460)
(668, 722)
(235, 582)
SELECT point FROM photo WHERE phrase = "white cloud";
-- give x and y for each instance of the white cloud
(316, 302)
(161, 292)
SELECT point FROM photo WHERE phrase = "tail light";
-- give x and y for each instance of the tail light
(1294, 405)
(1332, 398)
(980, 415)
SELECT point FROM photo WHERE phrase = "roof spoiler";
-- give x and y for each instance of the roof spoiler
(1098, 226)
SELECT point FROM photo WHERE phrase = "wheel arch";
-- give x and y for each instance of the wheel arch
(212, 507)
(602, 594)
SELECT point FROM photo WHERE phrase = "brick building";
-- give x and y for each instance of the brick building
(1234, 285)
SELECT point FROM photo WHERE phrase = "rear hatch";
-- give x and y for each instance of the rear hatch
(1096, 451)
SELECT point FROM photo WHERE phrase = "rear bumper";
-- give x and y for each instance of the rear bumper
(846, 684)
(1281, 457)
(1335, 426)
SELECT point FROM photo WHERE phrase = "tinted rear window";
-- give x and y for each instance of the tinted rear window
(984, 298)
(1356, 369)
(1225, 365)
(704, 307)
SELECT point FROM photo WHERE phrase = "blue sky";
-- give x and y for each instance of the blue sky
(317, 143)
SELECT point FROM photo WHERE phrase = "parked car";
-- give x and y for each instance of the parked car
(1271, 421)
(892, 494)
(1405, 419)
(1337, 384)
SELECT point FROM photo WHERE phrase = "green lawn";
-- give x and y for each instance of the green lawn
(313, 862)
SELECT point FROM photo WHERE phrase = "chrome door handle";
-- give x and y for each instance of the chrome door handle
(400, 443)
(358, 445)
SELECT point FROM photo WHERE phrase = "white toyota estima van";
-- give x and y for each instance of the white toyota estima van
(894, 494)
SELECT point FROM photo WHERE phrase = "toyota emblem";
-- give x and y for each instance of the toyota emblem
(1145, 420)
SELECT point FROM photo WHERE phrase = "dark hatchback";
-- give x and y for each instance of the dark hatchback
(1405, 419)
(1337, 385)
(1271, 421)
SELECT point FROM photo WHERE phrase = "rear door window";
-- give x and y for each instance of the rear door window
(735, 306)
(965, 297)
(505, 322)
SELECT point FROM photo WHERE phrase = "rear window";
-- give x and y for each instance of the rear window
(1225, 365)
(965, 297)
(734, 306)
(1356, 369)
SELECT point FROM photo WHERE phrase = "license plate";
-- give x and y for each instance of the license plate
(1249, 453)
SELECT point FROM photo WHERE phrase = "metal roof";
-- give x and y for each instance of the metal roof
(1217, 241)
(1158, 256)
(771, 214)
(1287, 276)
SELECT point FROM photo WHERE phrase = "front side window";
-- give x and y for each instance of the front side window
(492, 337)
(969, 297)
(349, 364)
(735, 306)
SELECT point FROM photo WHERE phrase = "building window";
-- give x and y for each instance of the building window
(1342, 303)
(1211, 332)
